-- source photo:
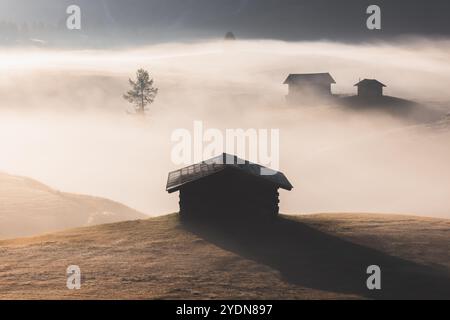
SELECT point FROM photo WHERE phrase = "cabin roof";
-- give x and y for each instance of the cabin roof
(310, 77)
(181, 177)
(369, 82)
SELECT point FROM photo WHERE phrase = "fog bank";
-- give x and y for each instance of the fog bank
(63, 121)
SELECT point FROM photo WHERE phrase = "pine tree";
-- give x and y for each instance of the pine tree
(142, 92)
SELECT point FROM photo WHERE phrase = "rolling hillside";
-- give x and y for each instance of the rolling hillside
(28, 207)
(303, 257)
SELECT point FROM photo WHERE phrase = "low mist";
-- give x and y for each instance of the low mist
(63, 121)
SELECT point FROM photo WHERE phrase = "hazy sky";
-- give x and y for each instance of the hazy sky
(167, 20)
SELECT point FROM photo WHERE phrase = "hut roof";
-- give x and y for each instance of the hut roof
(369, 82)
(181, 177)
(310, 77)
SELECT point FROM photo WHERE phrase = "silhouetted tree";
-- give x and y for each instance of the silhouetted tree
(142, 92)
(230, 36)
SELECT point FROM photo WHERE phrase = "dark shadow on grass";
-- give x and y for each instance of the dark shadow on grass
(311, 258)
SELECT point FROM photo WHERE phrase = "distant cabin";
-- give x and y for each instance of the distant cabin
(227, 186)
(370, 88)
(308, 86)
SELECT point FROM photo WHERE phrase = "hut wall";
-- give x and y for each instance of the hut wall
(230, 194)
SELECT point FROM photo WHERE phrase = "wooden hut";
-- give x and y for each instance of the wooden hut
(227, 186)
(308, 86)
(370, 88)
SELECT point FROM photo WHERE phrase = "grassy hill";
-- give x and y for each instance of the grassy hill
(302, 257)
(28, 207)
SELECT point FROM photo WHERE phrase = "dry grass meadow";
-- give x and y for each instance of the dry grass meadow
(302, 257)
